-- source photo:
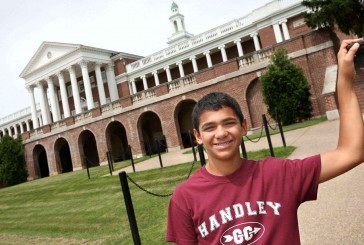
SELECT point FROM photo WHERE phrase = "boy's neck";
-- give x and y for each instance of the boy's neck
(222, 167)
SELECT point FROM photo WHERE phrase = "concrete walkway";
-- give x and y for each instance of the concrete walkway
(338, 215)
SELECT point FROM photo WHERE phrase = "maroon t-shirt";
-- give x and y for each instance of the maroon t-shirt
(256, 204)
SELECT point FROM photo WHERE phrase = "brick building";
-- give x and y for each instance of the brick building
(95, 100)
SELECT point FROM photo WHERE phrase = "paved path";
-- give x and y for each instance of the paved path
(338, 216)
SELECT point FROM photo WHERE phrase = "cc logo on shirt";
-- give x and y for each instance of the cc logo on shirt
(244, 233)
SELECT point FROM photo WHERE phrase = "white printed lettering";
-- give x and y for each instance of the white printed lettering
(226, 215)
(249, 209)
(213, 223)
(203, 230)
(261, 207)
(275, 207)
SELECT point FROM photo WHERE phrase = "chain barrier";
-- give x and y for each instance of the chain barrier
(155, 194)
(256, 141)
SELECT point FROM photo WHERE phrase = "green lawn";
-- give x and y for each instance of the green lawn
(71, 209)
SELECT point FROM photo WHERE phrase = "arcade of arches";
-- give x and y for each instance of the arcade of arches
(140, 129)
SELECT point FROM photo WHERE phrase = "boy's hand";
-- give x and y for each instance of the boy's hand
(346, 58)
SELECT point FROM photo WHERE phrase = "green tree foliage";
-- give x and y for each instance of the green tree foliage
(347, 14)
(285, 89)
(12, 164)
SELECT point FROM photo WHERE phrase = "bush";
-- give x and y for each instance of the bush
(285, 90)
(12, 164)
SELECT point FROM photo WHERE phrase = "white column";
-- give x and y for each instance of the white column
(28, 126)
(277, 33)
(180, 67)
(134, 90)
(240, 48)
(194, 63)
(64, 97)
(53, 99)
(100, 84)
(57, 104)
(256, 41)
(9, 132)
(156, 78)
(75, 92)
(43, 103)
(87, 85)
(33, 107)
(111, 83)
(223, 53)
(285, 29)
(168, 71)
(15, 130)
(21, 128)
(208, 58)
(145, 84)
(40, 121)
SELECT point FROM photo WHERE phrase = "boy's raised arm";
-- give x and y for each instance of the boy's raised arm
(350, 150)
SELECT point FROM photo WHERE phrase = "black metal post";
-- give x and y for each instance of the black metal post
(192, 145)
(159, 154)
(243, 149)
(129, 208)
(268, 135)
(88, 171)
(202, 156)
(281, 130)
(131, 158)
(165, 141)
(109, 162)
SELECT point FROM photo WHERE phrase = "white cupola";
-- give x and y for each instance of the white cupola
(178, 26)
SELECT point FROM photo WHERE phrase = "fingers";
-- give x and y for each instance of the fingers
(349, 54)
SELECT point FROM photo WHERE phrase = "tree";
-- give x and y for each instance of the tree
(348, 15)
(285, 89)
(12, 164)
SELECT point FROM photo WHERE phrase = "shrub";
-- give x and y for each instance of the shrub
(285, 89)
(12, 164)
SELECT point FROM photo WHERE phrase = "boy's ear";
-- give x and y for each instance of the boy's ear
(244, 127)
(197, 136)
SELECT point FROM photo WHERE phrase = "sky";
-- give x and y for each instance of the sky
(138, 27)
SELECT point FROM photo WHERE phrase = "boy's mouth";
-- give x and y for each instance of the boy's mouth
(223, 144)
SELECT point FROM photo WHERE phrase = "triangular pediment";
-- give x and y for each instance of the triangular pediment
(47, 53)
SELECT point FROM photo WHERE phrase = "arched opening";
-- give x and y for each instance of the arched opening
(257, 107)
(117, 141)
(63, 155)
(150, 129)
(183, 115)
(175, 26)
(88, 149)
(40, 161)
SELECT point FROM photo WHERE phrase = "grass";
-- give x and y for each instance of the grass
(71, 209)
(287, 128)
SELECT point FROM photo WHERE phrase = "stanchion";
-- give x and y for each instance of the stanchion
(201, 154)
(268, 135)
(129, 208)
(243, 149)
(192, 145)
(88, 171)
(159, 154)
(131, 158)
(109, 162)
(281, 130)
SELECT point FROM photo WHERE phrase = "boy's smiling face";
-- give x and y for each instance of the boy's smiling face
(221, 133)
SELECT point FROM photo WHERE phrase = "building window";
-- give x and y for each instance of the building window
(92, 81)
(69, 91)
(81, 86)
(103, 75)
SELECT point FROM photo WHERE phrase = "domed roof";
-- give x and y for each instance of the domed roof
(174, 6)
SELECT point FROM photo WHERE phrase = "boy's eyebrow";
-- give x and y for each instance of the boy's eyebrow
(224, 120)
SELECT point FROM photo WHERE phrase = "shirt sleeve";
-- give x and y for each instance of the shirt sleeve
(305, 176)
(180, 228)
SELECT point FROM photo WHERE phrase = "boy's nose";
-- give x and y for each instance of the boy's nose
(220, 132)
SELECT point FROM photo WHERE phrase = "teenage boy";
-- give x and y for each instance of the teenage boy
(237, 201)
